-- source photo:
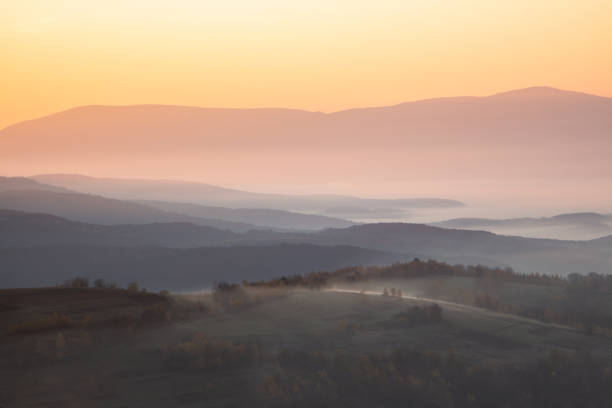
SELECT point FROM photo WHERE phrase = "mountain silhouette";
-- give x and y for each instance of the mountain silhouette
(434, 139)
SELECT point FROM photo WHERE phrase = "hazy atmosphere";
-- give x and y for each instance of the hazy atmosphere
(305, 203)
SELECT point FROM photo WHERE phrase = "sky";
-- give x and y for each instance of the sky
(317, 55)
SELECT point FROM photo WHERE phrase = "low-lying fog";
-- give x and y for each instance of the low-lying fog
(470, 210)
(569, 229)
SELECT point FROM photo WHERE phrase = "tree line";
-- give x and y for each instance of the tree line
(583, 301)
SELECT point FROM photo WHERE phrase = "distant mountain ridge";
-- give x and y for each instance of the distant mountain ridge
(458, 137)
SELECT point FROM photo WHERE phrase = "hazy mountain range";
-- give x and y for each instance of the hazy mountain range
(184, 191)
(177, 234)
(100, 210)
(40, 249)
(258, 216)
(24, 194)
(449, 139)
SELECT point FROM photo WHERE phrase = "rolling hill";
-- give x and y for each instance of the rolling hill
(527, 255)
(24, 183)
(21, 229)
(175, 269)
(256, 216)
(18, 193)
(100, 210)
(51, 236)
(201, 193)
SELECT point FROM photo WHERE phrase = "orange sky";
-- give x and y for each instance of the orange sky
(316, 54)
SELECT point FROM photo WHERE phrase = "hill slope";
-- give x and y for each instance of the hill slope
(186, 191)
(20, 229)
(463, 246)
(175, 269)
(19, 193)
(23, 183)
(100, 210)
(256, 216)
(406, 240)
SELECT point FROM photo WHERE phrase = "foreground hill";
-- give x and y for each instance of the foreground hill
(563, 226)
(301, 349)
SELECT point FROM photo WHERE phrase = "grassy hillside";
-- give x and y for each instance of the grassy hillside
(297, 348)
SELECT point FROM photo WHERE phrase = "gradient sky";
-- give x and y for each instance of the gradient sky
(316, 54)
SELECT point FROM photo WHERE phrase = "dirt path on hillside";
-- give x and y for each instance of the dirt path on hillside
(464, 308)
